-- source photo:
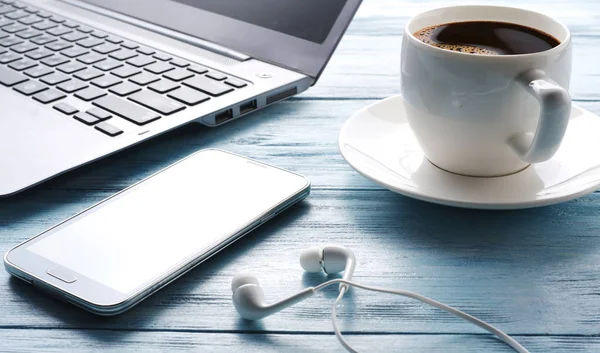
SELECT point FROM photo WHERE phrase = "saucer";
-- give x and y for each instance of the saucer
(379, 144)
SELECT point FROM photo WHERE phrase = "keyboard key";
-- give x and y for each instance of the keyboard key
(144, 78)
(114, 40)
(74, 52)
(106, 81)
(9, 57)
(108, 64)
(10, 41)
(86, 118)
(22, 64)
(99, 113)
(208, 86)
(65, 108)
(163, 86)
(6, 9)
(49, 96)
(29, 20)
(5, 22)
(236, 83)
(60, 45)
(23, 48)
(57, 19)
(55, 60)
(9, 77)
(159, 68)
(141, 61)
(88, 74)
(129, 45)
(74, 36)
(71, 67)
(18, 5)
(123, 54)
(38, 71)
(44, 14)
(72, 86)
(60, 31)
(180, 63)
(14, 28)
(44, 39)
(31, 9)
(156, 102)
(162, 56)
(30, 87)
(216, 76)
(126, 110)
(146, 51)
(124, 89)
(44, 26)
(106, 48)
(90, 42)
(16, 15)
(125, 71)
(108, 129)
(70, 24)
(84, 29)
(90, 58)
(198, 69)
(178, 74)
(90, 93)
(55, 78)
(188, 96)
(99, 34)
(30, 33)
(39, 54)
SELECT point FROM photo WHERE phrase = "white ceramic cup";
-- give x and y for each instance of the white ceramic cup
(486, 115)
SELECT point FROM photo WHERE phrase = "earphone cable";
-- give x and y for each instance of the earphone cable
(482, 324)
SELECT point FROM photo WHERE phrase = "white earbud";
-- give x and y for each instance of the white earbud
(331, 259)
(248, 296)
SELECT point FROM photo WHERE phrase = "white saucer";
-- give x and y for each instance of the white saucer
(378, 143)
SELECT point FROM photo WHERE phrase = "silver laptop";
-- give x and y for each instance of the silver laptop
(81, 79)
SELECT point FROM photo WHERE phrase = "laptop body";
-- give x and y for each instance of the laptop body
(82, 79)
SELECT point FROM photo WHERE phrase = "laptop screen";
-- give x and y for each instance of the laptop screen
(298, 34)
(285, 16)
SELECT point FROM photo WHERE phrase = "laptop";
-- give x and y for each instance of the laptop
(82, 79)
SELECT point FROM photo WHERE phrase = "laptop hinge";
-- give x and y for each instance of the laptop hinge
(201, 43)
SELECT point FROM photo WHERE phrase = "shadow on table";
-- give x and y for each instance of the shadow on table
(534, 236)
(147, 313)
(102, 178)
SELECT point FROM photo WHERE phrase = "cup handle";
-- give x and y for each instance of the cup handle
(555, 111)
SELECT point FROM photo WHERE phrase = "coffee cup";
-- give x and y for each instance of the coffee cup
(486, 115)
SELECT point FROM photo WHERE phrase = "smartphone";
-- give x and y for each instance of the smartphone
(118, 252)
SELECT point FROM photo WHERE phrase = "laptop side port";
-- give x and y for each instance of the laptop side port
(248, 107)
(223, 116)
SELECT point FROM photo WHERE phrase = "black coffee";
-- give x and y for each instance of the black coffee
(487, 38)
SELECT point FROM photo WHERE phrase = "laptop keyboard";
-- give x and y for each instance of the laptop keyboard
(50, 58)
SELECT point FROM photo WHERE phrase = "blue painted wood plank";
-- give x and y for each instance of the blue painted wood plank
(83, 341)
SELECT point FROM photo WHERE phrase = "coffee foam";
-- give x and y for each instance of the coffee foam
(426, 34)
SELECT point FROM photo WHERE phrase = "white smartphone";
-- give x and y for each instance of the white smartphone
(118, 252)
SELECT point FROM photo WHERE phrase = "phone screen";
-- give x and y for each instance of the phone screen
(163, 222)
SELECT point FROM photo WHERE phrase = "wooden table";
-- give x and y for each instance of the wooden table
(533, 273)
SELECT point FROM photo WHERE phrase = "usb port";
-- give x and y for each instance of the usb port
(248, 107)
(223, 116)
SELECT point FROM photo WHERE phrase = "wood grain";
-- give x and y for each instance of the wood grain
(533, 273)
(82, 341)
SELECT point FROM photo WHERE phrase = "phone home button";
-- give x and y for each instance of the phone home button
(62, 275)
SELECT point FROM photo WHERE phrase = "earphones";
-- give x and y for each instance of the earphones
(248, 296)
